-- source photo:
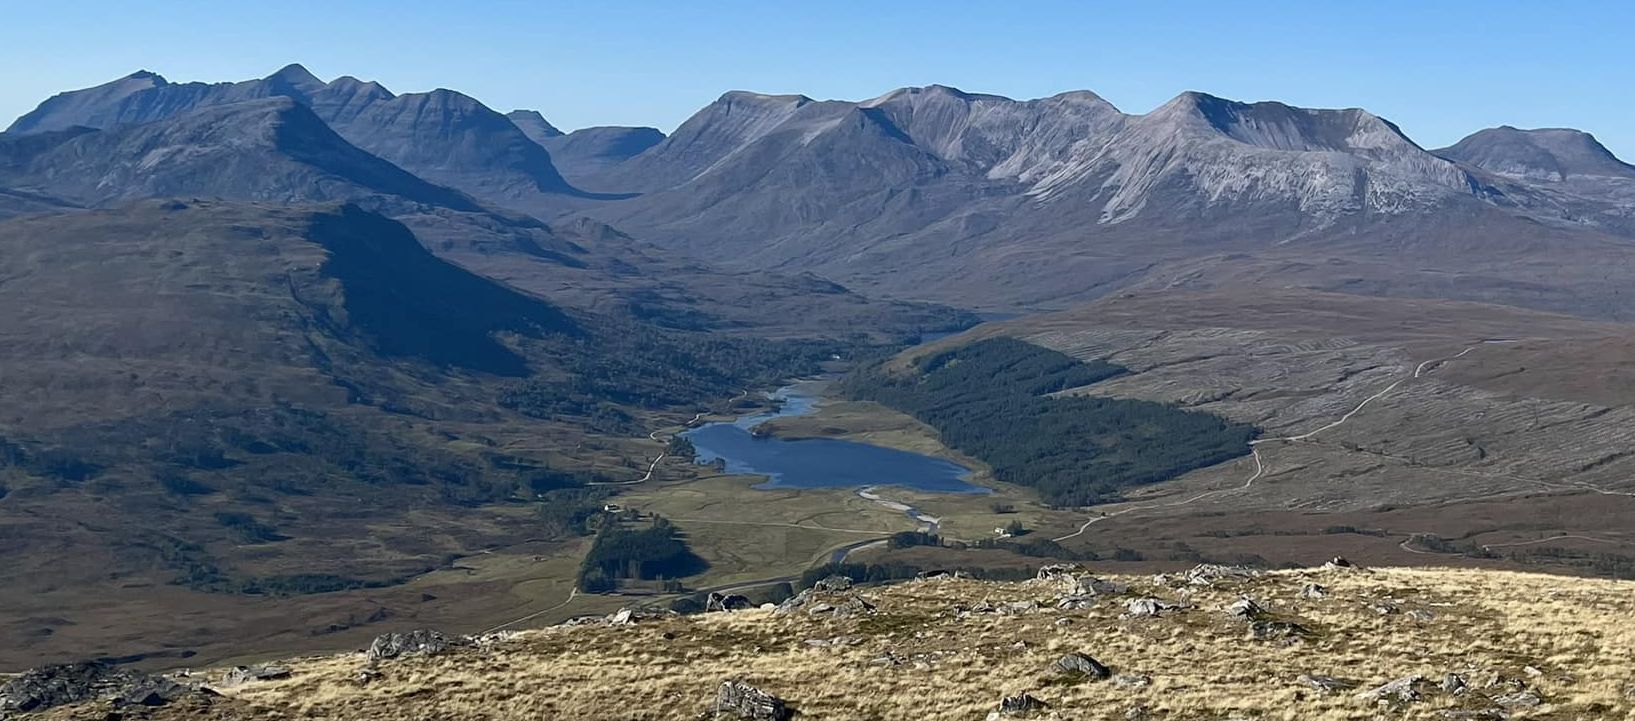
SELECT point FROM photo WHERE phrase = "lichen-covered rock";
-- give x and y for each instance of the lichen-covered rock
(1081, 665)
(1403, 690)
(1327, 684)
(719, 602)
(1145, 607)
(1246, 609)
(239, 675)
(833, 584)
(1019, 706)
(1272, 630)
(739, 700)
(419, 642)
(1210, 574)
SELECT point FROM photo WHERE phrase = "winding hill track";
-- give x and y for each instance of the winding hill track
(1254, 449)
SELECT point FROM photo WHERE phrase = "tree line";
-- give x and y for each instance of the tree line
(990, 400)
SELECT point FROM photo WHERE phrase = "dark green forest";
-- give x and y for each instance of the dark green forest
(989, 400)
(656, 551)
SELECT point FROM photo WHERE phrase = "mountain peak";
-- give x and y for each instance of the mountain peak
(1279, 126)
(1551, 154)
(295, 75)
(534, 125)
(763, 99)
(146, 75)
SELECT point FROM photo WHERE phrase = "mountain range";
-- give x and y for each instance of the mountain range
(248, 319)
(978, 200)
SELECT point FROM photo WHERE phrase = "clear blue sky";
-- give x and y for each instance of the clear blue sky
(1439, 69)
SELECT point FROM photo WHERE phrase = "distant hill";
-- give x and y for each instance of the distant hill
(443, 136)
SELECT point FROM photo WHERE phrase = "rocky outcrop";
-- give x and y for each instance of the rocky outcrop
(739, 700)
(718, 602)
(60, 685)
(419, 642)
(240, 675)
(1082, 666)
(1021, 705)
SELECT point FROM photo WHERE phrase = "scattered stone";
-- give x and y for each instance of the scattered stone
(1137, 713)
(837, 641)
(1063, 573)
(1018, 608)
(793, 603)
(61, 684)
(1079, 664)
(1063, 622)
(1383, 608)
(1313, 592)
(1017, 706)
(1336, 563)
(624, 617)
(1402, 690)
(240, 675)
(419, 642)
(1246, 609)
(1076, 603)
(1327, 684)
(1532, 672)
(936, 575)
(1131, 680)
(1142, 607)
(1421, 615)
(1209, 574)
(833, 584)
(1453, 684)
(1088, 585)
(736, 699)
(721, 602)
(1268, 630)
(1519, 699)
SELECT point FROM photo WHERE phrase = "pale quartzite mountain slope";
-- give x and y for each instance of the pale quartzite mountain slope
(937, 193)
(443, 136)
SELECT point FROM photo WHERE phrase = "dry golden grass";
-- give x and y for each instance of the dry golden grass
(1574, 634)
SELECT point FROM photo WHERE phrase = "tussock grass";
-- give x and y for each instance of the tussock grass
(1575, 635)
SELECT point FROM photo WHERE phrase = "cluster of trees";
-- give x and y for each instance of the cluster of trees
(197, 570)
(636, 366)
(897, 571)
(653, 552)
(990, 400)
(682, 448)
(567, 512)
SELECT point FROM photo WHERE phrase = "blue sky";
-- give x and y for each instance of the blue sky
(1439, 69)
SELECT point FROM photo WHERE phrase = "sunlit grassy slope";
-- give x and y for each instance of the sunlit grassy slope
(1513, 638)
